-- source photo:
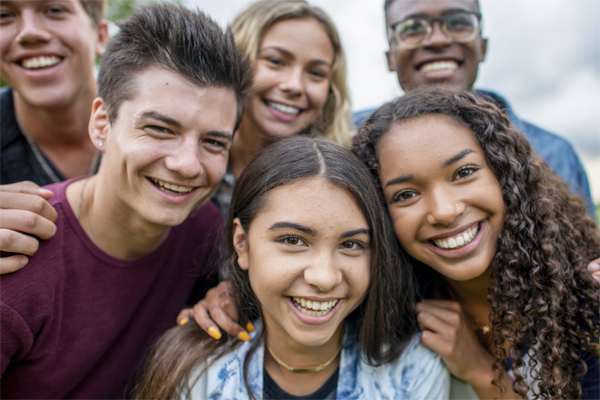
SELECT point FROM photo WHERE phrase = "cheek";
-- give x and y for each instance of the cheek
(318, 94)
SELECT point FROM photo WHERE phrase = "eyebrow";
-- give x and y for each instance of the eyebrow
(355, 232)
(282, 225)
(161, 117)
(425, 15)
(457, 157)
(398, 180)
(290, 55)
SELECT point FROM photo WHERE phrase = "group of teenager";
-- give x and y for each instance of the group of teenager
(437, 247)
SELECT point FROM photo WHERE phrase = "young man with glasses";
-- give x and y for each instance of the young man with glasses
(439, 43)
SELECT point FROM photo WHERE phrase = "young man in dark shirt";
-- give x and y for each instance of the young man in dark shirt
(134, 239)
(48, 56)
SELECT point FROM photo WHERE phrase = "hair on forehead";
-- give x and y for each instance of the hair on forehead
(176, 39)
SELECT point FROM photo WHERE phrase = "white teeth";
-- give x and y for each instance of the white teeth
(314, 308)
(437, 66)
(459, 240)
(171, 187)
(283, 108)
(40, 62)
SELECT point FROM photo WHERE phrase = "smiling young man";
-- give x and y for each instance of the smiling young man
(133, 240)
(48, 52)
(439, 43)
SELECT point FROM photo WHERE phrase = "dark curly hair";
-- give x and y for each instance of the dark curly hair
(541, 295)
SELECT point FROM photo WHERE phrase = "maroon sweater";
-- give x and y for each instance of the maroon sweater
(76, 322)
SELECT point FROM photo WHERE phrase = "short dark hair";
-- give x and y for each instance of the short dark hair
(177, 39)
(96, 9)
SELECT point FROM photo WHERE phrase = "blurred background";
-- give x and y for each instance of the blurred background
(543, 57)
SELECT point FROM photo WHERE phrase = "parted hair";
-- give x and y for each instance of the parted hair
(542, 297)
(251, 25)
(96, 9)
(177, 39)
(385, 320)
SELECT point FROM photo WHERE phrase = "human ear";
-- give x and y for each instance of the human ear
(483, 49)
(240, 243)
(99, 124)
(390, 60)
(102, 30)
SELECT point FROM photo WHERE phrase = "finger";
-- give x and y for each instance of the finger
(27, 187)
(229, 325)
(432, 323)
(200, 315)
(436, 343)
(12, 263)
(449, 316)
(594, 266)
(27, 222)
(447, 304)
(185, 316)
(15, 242)
(28, 202)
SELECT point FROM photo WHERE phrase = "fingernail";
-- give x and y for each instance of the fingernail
(24, 261)
(244, 336)
(183, 321)
(250, 327)
(594, 267)
(214, 332)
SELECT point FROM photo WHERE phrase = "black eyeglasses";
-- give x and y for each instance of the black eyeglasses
(458, 26)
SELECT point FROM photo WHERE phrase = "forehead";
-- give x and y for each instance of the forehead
(401, 9)
(203, 108)
(315, 203)
(421, 141)
(305, 35)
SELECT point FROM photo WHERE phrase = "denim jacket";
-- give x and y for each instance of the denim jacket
(418, 373)
(556, 151)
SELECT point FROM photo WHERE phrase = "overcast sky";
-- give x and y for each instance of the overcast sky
(543, 57)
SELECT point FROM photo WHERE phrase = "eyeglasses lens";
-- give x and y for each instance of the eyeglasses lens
(460, 27)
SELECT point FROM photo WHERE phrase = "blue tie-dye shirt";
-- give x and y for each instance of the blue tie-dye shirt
(418, 373)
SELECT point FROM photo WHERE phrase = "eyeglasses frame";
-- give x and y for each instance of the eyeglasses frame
(429, 32)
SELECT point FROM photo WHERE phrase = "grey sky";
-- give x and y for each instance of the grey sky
(543, 57)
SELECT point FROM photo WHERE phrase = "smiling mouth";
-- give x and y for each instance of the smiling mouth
(438, 66)
(458, 241)
(171, 188)
(313, 308)
(282, 108)
(40, 62)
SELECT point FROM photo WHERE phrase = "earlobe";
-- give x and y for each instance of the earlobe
(390, 60)
(484, 43)
(240, 243)
(99, 124)
(102, 30)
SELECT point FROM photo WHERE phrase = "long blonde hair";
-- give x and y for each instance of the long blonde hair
(248, 30)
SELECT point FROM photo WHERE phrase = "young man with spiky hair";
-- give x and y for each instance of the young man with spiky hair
(133, 240)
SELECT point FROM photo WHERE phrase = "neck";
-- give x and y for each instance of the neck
(472, 296)
(297, 355)
(61, 132)
(247, 142)
(113, 226)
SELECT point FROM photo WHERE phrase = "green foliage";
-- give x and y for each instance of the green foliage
(121, 9)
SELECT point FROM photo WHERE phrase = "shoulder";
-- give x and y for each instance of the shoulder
(360, 116)
(10, 130)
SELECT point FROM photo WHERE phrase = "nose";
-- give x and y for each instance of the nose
(292, 82)
(438, 38)
(324, 273)
(32, 29)
(185, 159)
(443, 207)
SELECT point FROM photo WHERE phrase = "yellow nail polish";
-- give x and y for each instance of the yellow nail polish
(243, 336)
(250, 327)
(214, 332)
(183, 321)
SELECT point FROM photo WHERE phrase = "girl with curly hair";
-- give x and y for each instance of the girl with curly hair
(312, 259)
(499, 245)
